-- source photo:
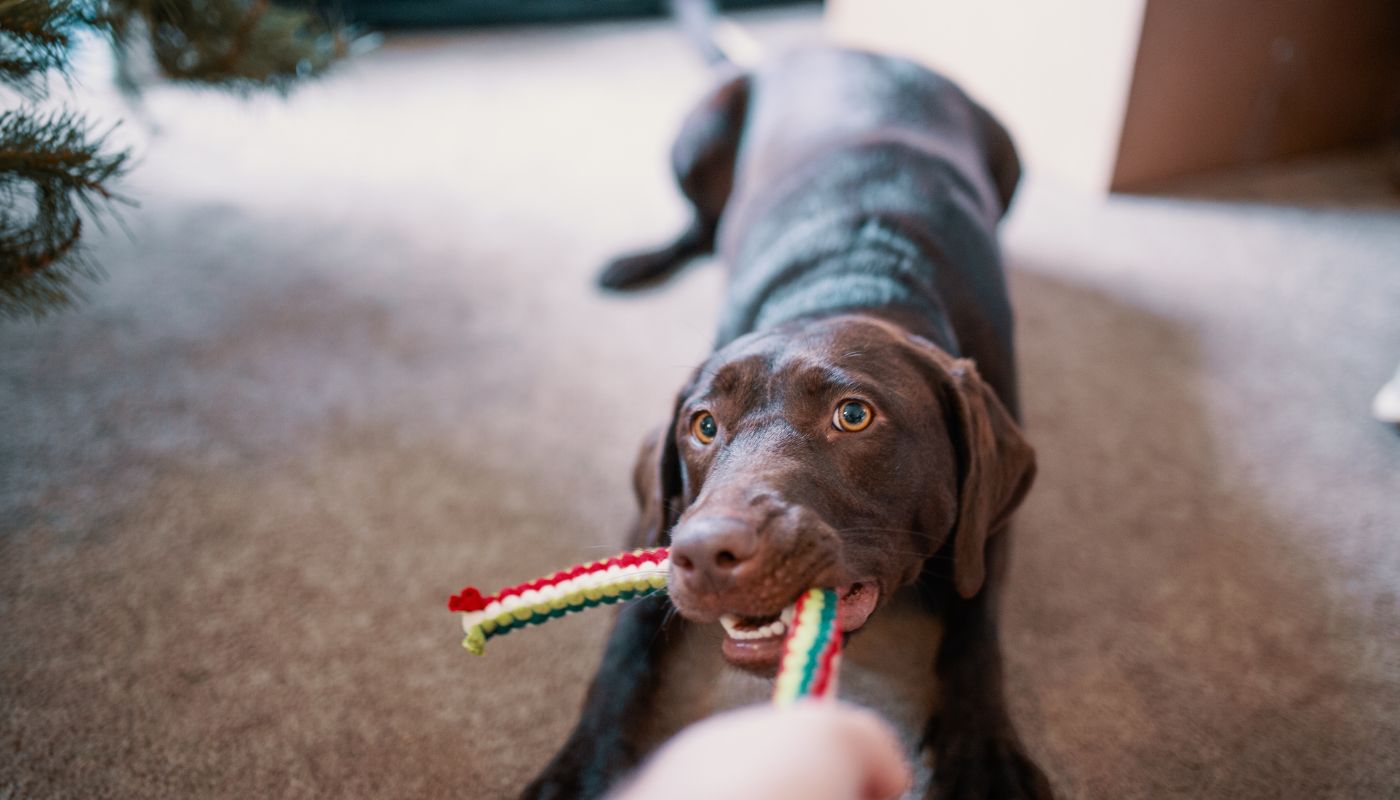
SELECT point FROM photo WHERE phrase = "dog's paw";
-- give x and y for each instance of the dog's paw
(986, 767)
(550, 787)
(567, 784)
(580, 771)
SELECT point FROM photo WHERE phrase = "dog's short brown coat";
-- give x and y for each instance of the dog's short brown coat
(854, 198)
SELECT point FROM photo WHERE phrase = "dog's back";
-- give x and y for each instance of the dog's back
(866, 181)
(822, 98)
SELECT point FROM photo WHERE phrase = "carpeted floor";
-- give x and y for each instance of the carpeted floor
(348, 358)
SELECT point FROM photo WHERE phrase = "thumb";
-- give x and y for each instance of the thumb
(879, 755)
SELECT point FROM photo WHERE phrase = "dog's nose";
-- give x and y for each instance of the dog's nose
(712, 550)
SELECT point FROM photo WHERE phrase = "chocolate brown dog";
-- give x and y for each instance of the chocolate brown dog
(856, 424)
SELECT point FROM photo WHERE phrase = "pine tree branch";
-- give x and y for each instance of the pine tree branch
(241, 37)
(55, 172)
(235, 44)
(52, 169)
(34, 38)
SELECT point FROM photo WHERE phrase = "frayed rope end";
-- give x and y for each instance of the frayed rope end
(475, 643)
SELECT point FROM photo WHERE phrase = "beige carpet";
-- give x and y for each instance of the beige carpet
(348, 358)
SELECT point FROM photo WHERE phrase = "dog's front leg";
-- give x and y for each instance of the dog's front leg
(976, 751)
(603, 747)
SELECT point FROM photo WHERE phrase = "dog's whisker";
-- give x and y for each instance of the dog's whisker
(667, 615)
(876, 529)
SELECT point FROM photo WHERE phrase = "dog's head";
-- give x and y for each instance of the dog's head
(844, 453)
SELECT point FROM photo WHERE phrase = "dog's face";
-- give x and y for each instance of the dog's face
(838, 453)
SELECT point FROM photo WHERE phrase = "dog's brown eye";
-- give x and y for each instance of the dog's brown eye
(853, 416)
(704, 427)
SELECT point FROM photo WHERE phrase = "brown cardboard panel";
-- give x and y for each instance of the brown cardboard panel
(1221, 84)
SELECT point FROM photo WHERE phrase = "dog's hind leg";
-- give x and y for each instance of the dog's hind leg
(703, 160)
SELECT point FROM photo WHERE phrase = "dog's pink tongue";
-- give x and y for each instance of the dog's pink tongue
(856, 604)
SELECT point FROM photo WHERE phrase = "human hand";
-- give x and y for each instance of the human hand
(810, 751)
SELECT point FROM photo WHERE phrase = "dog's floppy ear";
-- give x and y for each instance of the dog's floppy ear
(996, 468)
(656, 480)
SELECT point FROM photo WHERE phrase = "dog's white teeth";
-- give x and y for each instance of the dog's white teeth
(774, 628)
(734, 627)
(789, 614)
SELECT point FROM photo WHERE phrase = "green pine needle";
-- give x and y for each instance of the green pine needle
(34, 38)
(53, 168)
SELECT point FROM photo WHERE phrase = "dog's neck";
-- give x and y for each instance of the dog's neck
(827, 266)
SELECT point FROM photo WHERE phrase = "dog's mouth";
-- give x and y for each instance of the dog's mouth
(756, 643)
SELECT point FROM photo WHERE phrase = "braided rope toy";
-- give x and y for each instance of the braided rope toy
(811, 650)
